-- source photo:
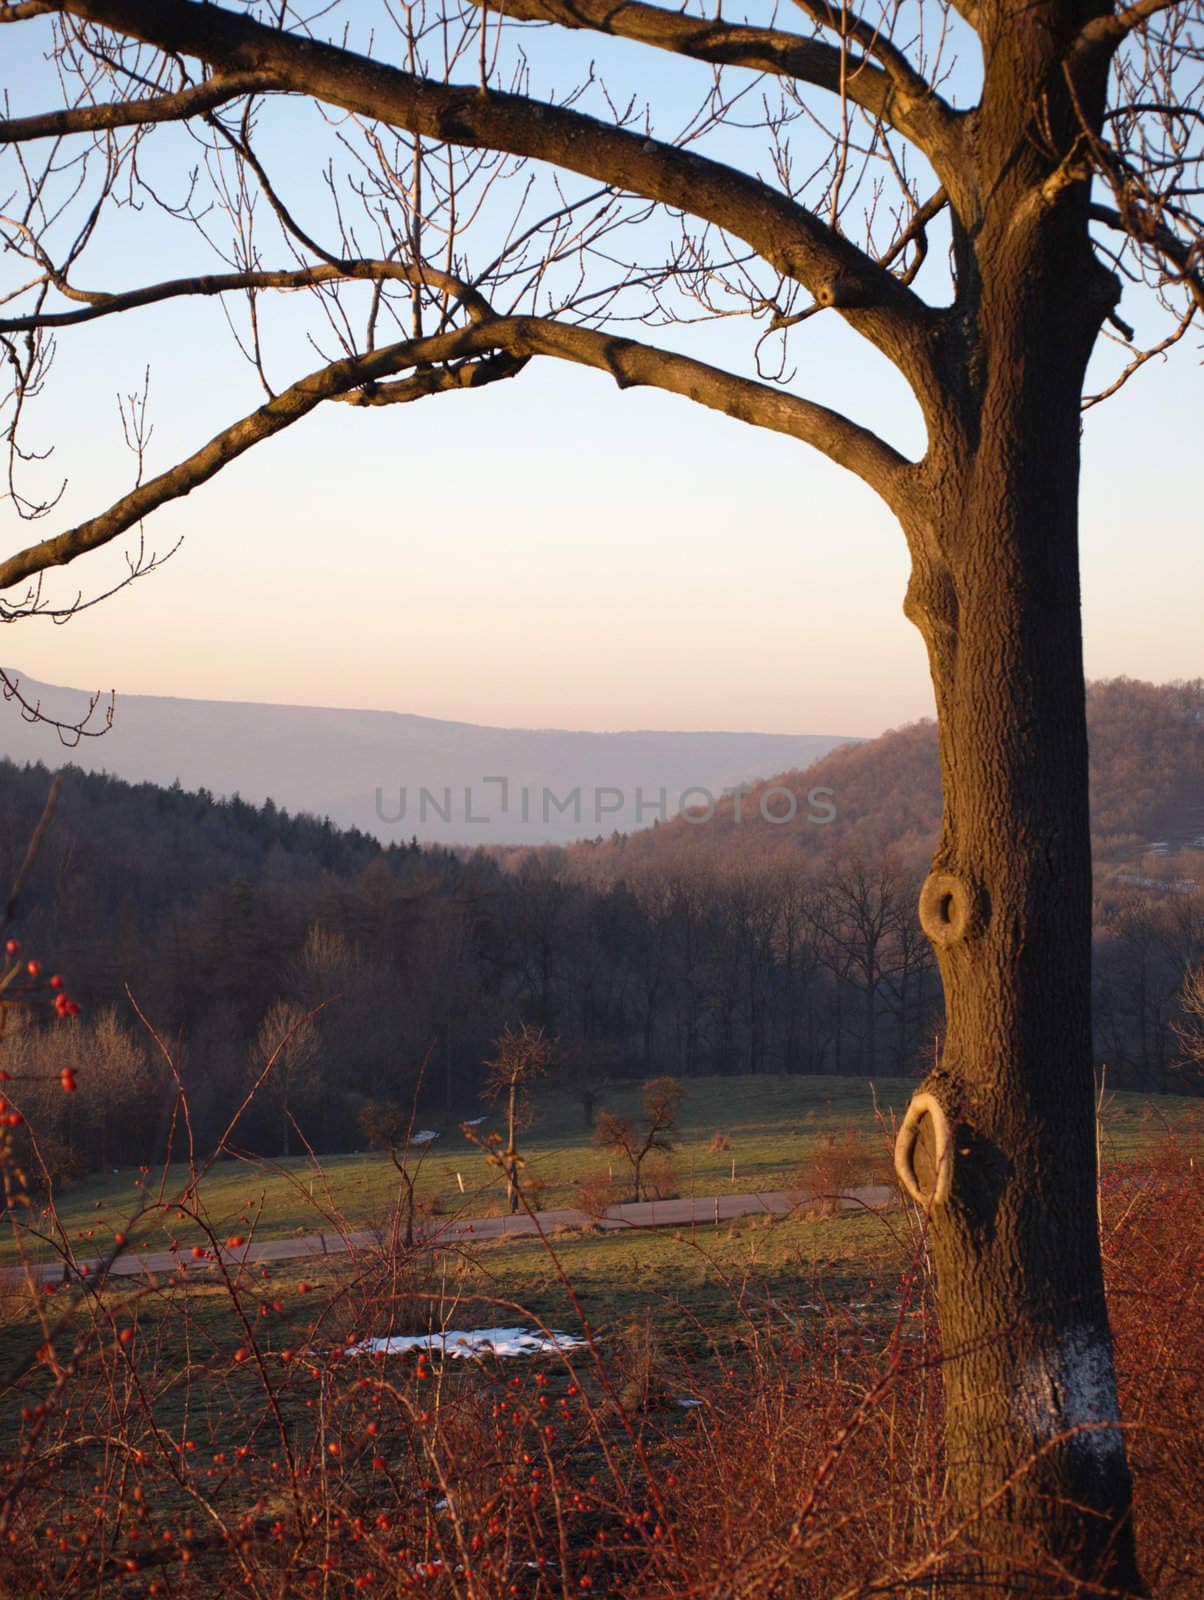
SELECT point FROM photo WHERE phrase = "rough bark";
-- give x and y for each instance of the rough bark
(1035, 1455)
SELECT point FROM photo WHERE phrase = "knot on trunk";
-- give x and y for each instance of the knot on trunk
(924, 1151)
(952, 909)
(845, 292)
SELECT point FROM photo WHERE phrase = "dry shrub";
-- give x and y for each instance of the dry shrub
(534, 1189)
(1153, 1217)
(391, 1292)
(720, 1140)
(658, 1179)
(810, 1471)
(597, 1192)
(837, 1163)
(640, 1369)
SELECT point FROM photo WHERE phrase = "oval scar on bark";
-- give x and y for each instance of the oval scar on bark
(926, 1132)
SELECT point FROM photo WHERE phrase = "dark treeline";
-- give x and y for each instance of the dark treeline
(658, 954)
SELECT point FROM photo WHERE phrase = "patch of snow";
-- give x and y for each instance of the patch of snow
(424, 1136)
(688, 1404)
(475, 1342)
(474, 1122)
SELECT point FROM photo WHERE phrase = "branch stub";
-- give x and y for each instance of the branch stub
(951, 909)
(925, 1105)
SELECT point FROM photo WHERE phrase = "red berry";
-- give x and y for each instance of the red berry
(12, 947)
(33, 968)
(56, 981)
(235, 1241)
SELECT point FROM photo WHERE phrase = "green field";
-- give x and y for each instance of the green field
(769, 1128)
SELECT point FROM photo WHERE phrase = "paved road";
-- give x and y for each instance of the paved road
(647, 1214)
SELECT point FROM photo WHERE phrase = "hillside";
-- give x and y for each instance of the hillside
(1147, 789)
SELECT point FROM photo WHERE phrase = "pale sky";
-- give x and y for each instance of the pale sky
(552, 552)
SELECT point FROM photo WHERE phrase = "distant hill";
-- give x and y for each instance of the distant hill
(369, 769)
(1147, 792)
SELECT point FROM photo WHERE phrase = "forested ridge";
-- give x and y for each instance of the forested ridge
(1147, 785)
(716, 947)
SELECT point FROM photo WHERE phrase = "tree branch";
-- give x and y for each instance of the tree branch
(1146, 229)
(894, 92)
(127, 113)
(633, 364)
(279, 413)
(1140, 359)
(1104, 35)
(785, 233)
(452, 361)
(364, 269)
(874, 41)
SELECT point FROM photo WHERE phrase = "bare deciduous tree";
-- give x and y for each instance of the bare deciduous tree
(287, 1043)
(388, 1125)
(1190, 1030)
(968, 188)
(661, 1100)
(523, 1055)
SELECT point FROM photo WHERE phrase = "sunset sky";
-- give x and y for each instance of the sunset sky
(554, 553)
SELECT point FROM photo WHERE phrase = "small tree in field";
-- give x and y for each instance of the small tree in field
(661, 1100)
(523, 1055)
(387, 1125)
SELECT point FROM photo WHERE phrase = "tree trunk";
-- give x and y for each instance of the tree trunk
(1034, 1455)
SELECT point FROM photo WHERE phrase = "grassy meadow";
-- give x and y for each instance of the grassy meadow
(761, 1397)
(735, 1135)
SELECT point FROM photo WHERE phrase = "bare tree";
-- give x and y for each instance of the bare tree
(968, 187)
(388, 1125)
(661, 1100)
(288, 1040)
(1190, 1029)
(857, 917)
(523, 1055)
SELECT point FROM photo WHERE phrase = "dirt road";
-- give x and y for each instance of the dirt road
(696, 1212)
